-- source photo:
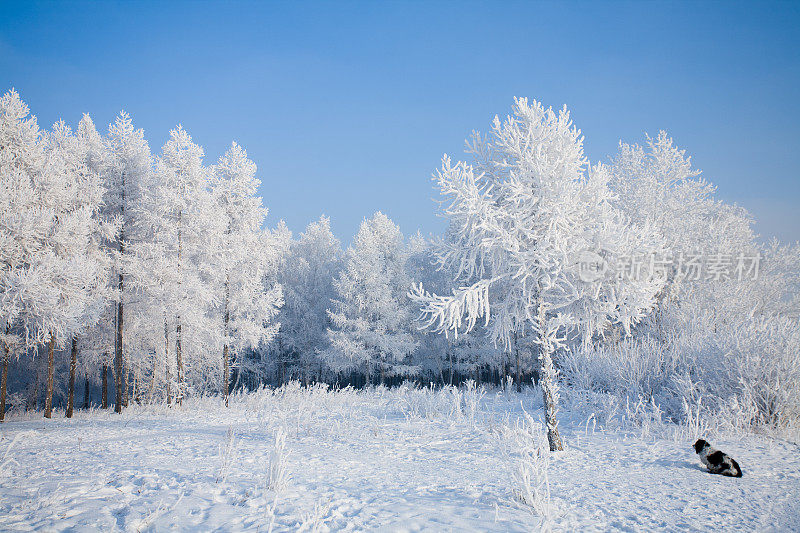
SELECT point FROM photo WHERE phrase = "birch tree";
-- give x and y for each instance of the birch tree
(533, 227)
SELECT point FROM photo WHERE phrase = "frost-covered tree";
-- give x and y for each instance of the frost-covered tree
(176, 264)
(372, 321)
(307, 275)
(124, 163)
(247, 306)
(22, 224)
(63, 287)
(126, 170)
(656, 186)
(533, 226)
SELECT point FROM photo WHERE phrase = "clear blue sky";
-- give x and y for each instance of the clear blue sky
(347, 107)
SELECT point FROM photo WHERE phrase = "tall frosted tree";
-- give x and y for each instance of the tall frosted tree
(22, 224)
(183, 227)
(528, 215)
(657, 186)
(248, 306)
(126, 170)
(307, 276)
(63, 288)
(372, 321)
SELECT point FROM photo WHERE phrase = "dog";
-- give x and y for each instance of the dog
(717, 461)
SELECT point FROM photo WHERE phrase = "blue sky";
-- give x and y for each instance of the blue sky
(348, 107)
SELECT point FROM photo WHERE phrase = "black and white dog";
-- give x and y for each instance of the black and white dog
(717, 461)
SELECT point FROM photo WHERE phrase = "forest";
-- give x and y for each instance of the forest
(134, 277)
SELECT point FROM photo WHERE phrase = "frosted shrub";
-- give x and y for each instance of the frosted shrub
(746, 370)
(429, 402)
(228, 453)
(315, 520)
(7, 462)
(278, 472)
(508, 386)
(524, 449)
(766, 361)
(694, 426)
(632, 369)
(472, 400)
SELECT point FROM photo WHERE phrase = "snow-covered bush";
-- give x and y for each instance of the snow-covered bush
(278, 470)
(473, 395)
(228, 453)
(747, 373)
(524, 449)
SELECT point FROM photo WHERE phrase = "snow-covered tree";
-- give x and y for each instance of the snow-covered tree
(307, 275)
(176, 264)
(126, 170)
(533, 230)
(658, 187)
(372, 321)
(22, 224)
(63, 288)
(248, 307)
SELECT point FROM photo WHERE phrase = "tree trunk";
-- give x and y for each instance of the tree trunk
(225, 353)
(118, 370)
(119, 373)
(153, 380)
(4, 379)
(519, 367)
(126, 382)
(104, 396)
(179, 361)
(48, 400)
(549, 385)
(71, 386)
(86, 399)
(225, 374)
(167, 375)
(178, 354)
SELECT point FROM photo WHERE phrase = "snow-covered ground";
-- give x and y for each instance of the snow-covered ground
(394, 460)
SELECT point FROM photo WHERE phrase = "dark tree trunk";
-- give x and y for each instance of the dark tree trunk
(48, 399)
(119, 373)
(178, 354)
(118, 370)
(4, 379)
(225, 374)
(86, 398)
(71, 386)
(179, 361)
(126, 374)
(168, 377)
(519, 366)
(104, 378)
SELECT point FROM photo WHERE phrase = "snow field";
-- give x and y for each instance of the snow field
(401, 459)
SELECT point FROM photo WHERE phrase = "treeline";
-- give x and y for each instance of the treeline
(153, 276)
